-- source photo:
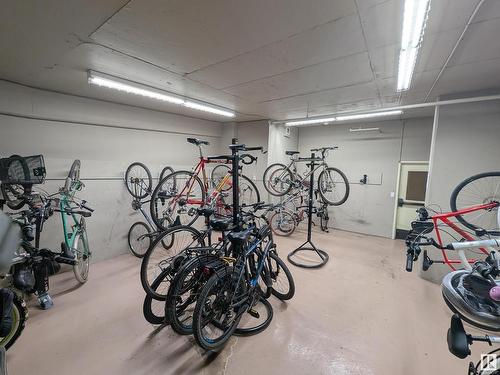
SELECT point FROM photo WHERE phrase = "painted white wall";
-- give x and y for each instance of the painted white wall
(466, 143)
(370, 207)
(106, 138)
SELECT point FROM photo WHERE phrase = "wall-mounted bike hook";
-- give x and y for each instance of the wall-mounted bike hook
(364, 180)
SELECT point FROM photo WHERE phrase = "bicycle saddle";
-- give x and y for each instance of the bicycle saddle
(197, 142)
(292, 152)
(467, 294)
(239, 237)
(205, 211)
(221, 223)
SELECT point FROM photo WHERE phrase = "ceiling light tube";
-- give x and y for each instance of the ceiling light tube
(105, 80)
(311, 121)
(368, 115)
(414, 21)
(206, 108)
(355, 130)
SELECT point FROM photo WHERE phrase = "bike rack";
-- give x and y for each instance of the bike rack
(309, 245)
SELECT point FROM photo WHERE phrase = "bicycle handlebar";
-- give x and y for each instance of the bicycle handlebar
(322, 149)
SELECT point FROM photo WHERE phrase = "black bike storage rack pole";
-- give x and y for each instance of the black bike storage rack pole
(235, 176)
(309, 245)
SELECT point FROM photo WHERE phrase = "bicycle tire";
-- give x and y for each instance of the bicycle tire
(147, 306)
(157, 258)
(82, 259)
(482, 200)
(322, 183)
(266, 177)
(165, 172)
(147, 239)
(19, 312)
(143, 190)
(260, 327)
(156, 196)
(216, 180)
(281, 264)
(180, 323)
(277, 228)
(217, 344)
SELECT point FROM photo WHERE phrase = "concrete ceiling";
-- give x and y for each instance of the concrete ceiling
(275, 59)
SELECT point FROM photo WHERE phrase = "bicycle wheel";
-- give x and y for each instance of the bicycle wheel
(218, 173)
(82, 254)
(333, 186)
(184, 291)
(214, 318)
(154, 310)
(139, 239)
(19, 315)
(177, 198)
(323, 217)
(480, 189)
(138, 180)
(248, 193)
(283, 284)
(251, 325)
(282, 223)
(165, 172)
(13, 195)
(157, 258)
(278, 179)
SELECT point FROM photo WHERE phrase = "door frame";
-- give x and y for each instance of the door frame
(396, 197)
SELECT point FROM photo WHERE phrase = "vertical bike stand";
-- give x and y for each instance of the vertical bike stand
(308, 245)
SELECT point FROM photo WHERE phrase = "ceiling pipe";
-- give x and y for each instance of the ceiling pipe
(403, 107)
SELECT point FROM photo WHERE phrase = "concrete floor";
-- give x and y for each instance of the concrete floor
(360, 314)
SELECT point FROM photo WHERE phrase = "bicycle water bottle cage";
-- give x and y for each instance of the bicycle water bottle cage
(468, 294)
(197, 142)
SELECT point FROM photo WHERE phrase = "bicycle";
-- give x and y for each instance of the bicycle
(240, 281)
(478, 195)
(333, 185)
(139, 182)
(179, 194)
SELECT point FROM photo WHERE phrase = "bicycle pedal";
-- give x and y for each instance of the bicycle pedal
(254, 313)
(62, 259)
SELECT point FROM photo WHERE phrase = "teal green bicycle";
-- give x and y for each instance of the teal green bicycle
(75, 248)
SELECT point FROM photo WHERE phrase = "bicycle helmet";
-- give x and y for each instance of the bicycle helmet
(468, 295)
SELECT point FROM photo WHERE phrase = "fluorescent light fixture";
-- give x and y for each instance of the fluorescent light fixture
(414, 20)
(104, 80)
(326, 120)
(355, 130)
(368, 115)
(311, 121)
(206, 108)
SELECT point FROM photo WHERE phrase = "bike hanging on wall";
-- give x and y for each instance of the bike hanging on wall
(139, 184)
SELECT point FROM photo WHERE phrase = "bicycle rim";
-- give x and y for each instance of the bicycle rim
(82, 256)
(157, 258)
(333, 186)
(176, 199)
(138, 180)
(139, 239)
(278, 180)
(477, 190)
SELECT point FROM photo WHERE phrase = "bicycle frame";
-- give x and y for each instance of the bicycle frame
(70, 237)
(444, 218)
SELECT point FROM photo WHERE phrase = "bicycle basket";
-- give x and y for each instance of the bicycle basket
(22, 170)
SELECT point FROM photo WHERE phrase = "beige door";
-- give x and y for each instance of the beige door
(411, 194)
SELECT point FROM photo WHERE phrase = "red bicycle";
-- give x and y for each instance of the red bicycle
(475, 205)
(178, 196)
